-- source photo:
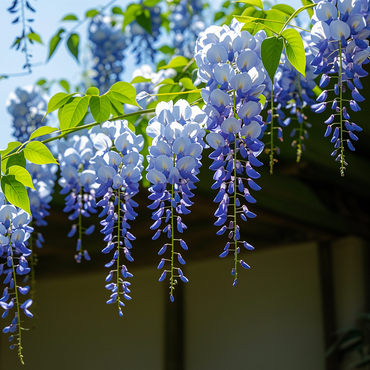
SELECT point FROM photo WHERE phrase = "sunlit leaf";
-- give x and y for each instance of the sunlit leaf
(15, 193)
(21, 175)
(73, 112)
(38, 153)
(41, 131)
(73, 43)
(123, 92)
(100, 108)
(54, 42)
(271, 49)
(294, 49)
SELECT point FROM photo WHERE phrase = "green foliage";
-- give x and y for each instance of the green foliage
(65, 85)
(16, 159)
(73, 112)
(92, 91)
(32, 36)
(143, 19)
(176, 62)
(91, 13)
(54, 42)
(21, 175)
(70, 17)
(256, 3)
(15, 192)
(38, 153)
(309, 10)
(100, 108)
(57, 101)
(124, 92)
(271, 49)
(132, 11)
(73, 43)
(41, 131)
(294, 49)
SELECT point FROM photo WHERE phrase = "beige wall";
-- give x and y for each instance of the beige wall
(77, 330)
(271, 320)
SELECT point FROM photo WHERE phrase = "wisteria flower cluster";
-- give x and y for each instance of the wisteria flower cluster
(177, 131)
(118, 166)
(187, 22)
(27, 106)
(108, 45)
(14, 233)
(78, 184)
(229, 63)
(292, 93)
(141, 40)
(340, 46)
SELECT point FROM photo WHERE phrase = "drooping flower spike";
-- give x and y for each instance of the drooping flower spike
(229, 62)
(78, 184)
(339, 43)
(118, 164)
(177, 131)
(14, 233)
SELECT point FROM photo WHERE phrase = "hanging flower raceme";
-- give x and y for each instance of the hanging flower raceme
(118, 171)
(229, 63)
(14, 233)
(174, 160)
(339, 43)
(27, 106)
(292, 94)
(187, 23)
(78, 184)
(141, 39)
(108, 45)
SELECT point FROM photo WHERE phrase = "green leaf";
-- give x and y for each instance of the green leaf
(117, 10)
(130, 14)
(187, 83)
(91, 13)
(34, 37)
(15, 193)
(72, 44)
(309, 10)
(14, 160)
(294, 49)
(70, 17)
(73, 112)
(11, 146)
(92, 91)
(21, 175)
(54, 42)
(165, 49)
(139, 79)
(38, 153)
(166, 81)
(57, 101)
(218, 16)
(275, 15)
(256, 3)
(65, 85)
(117, 107)
(40, 82)
(287, 9)
(143, 19)
(271, 49)
(151, 3)
(176, 62)
(194, 75)
(100, 108)
(124, 93)
(41, 131)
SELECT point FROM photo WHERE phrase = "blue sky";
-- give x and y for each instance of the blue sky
(62, 65)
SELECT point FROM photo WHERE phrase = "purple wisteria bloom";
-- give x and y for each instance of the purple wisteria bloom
(177, 131)
(118, 165)
(230, 65)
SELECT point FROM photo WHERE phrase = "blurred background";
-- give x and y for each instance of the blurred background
(309, 273)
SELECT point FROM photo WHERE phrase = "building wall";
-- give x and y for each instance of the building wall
(271, 320)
